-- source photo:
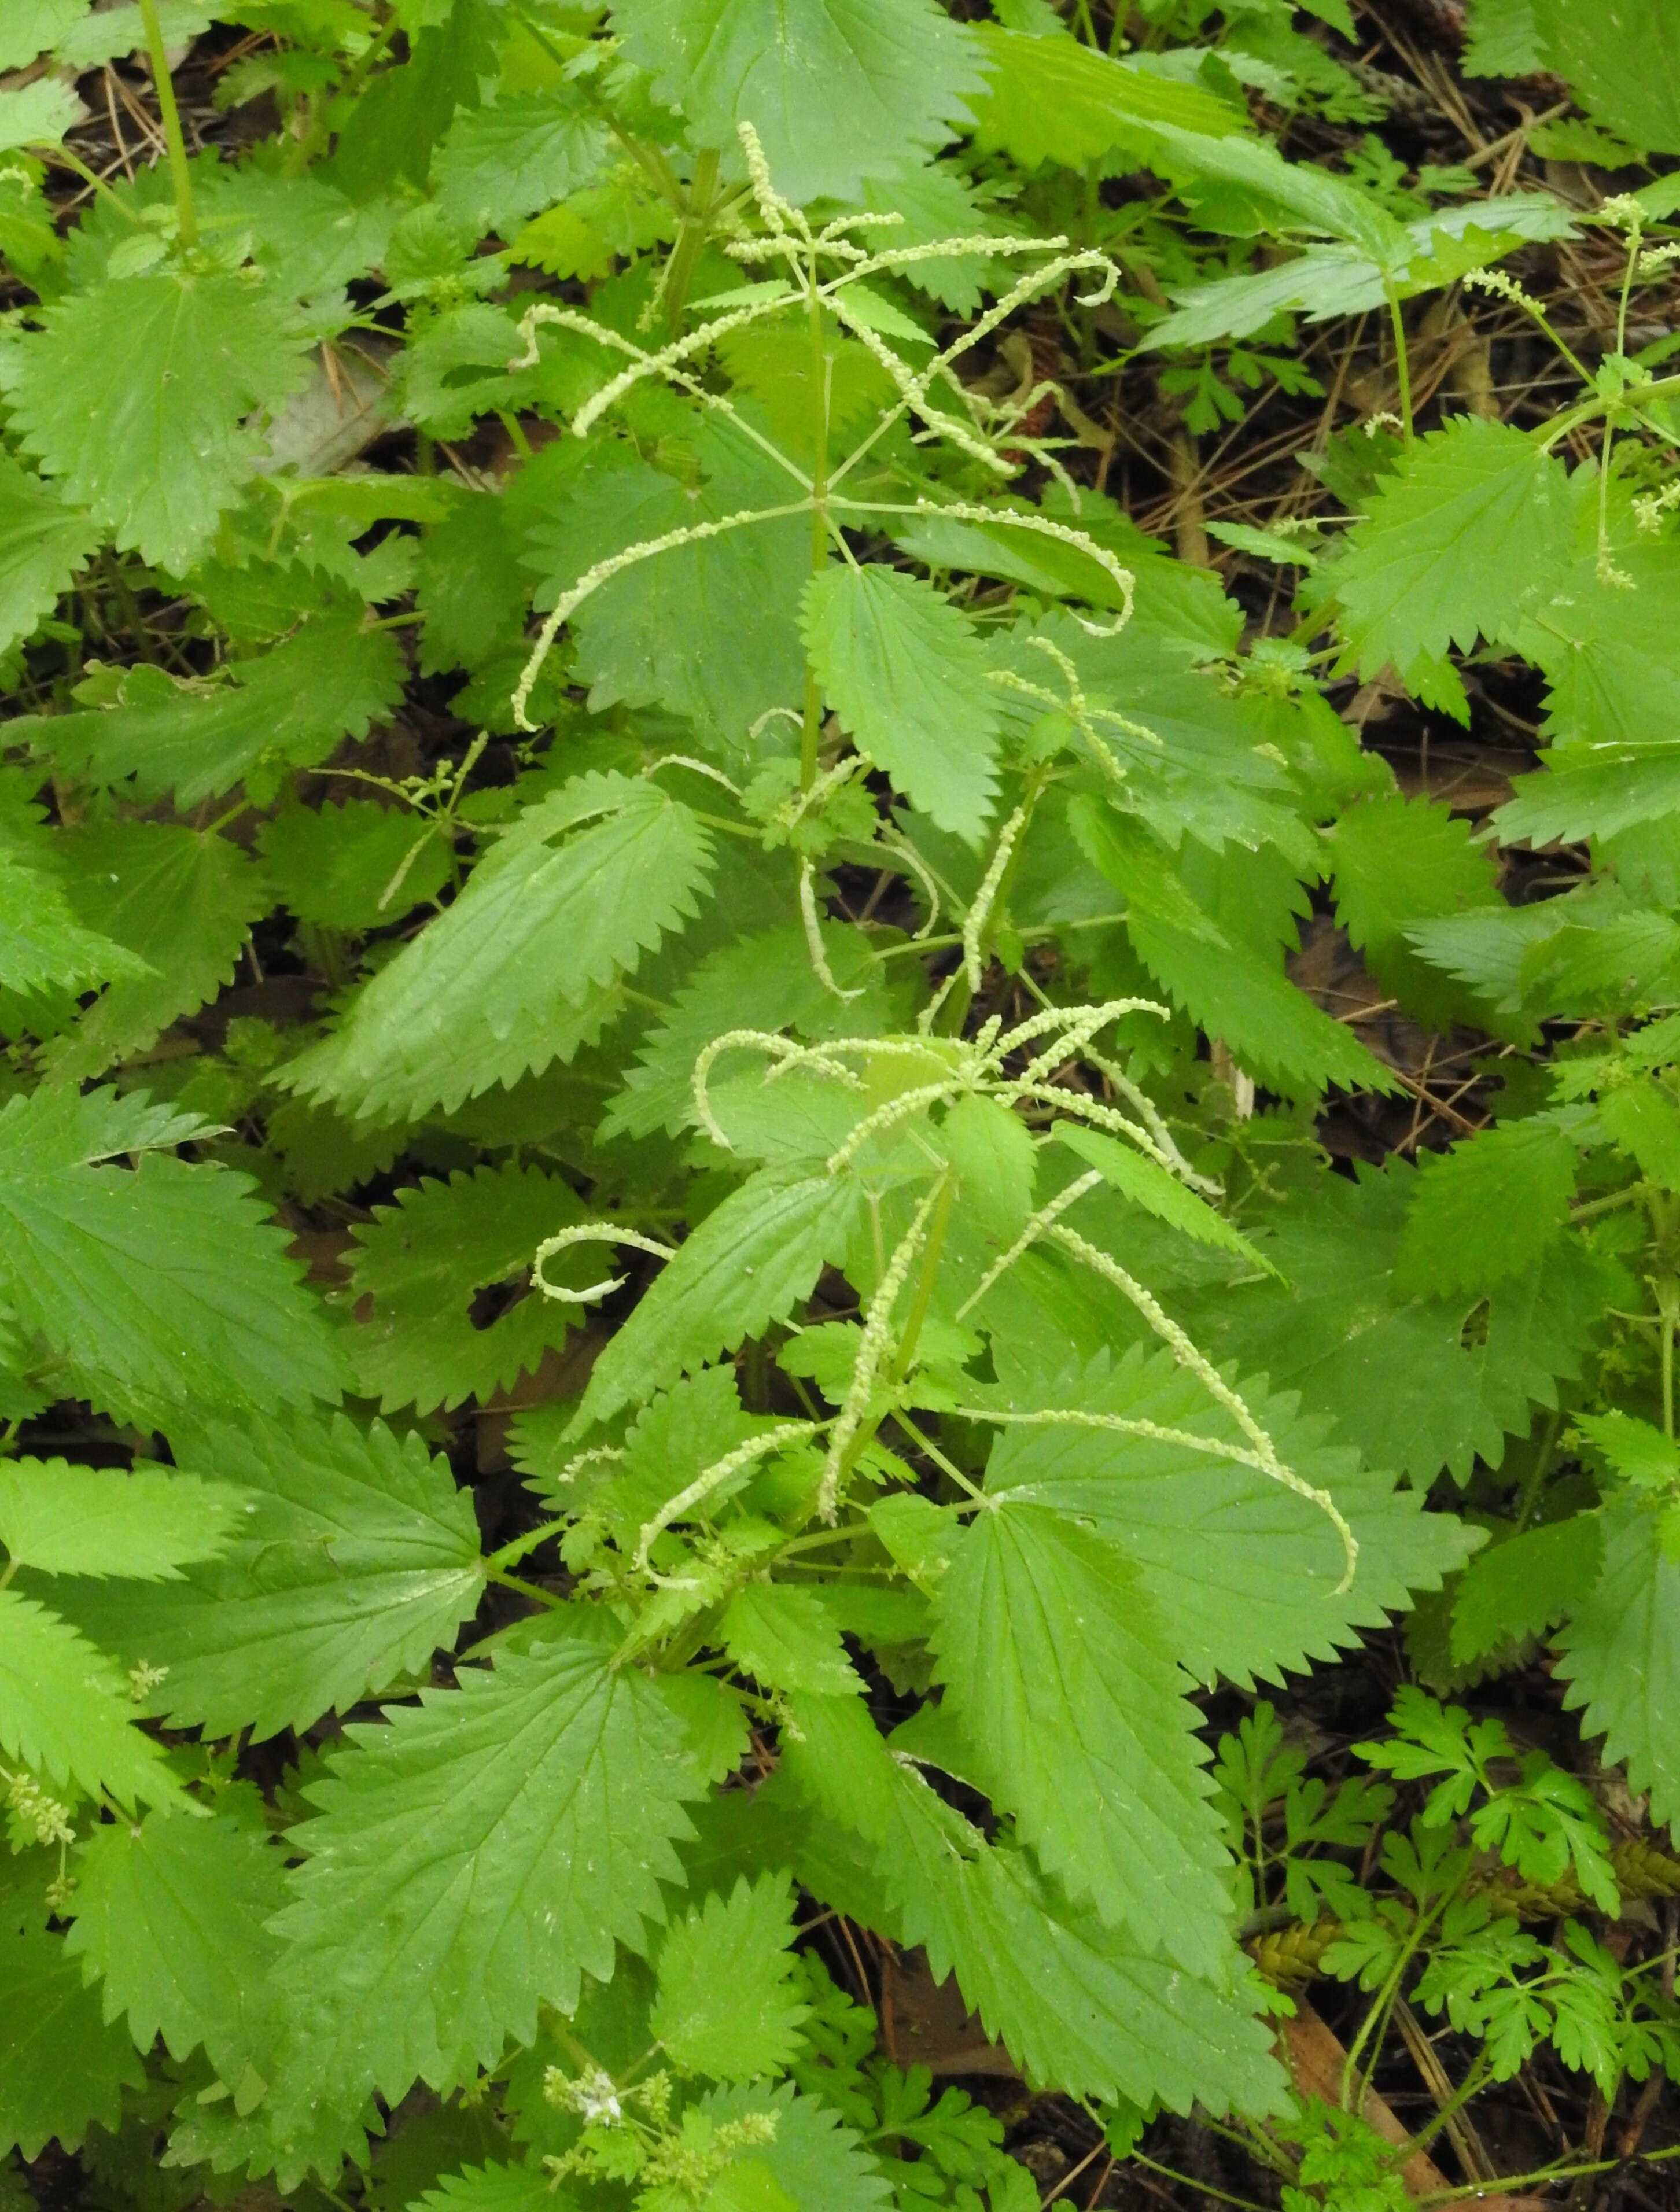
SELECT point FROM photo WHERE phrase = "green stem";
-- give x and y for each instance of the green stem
(1470, 2190)
(1633, 242)
(1542, 1468)
(1548, 434)
(1471, 2086)
(676, 1655)
(946, 1466)
(1383, 2003)
(123, 593)
(1634, 1193)
(494, 1574)
(924, 1288)
(653, 164)
(1202, 2188)
(62, 158)
(690, 237)
(847, 1533)
(181, 174)
(310, 141)
(1403, 367)
(811, 725)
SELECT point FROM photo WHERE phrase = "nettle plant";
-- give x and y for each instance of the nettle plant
(712, 784)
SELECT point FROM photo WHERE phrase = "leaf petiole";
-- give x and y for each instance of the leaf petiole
(181, 174)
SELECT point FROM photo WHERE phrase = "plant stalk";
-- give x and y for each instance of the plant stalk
(179, 171)
(811, 722)
(1403, 367)
(690, 237)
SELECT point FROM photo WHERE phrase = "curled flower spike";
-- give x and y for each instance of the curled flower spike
(873, 1346)
(813, 935)
(713, 1478)
(788, 237)
(590, 1232)
(1186, 1353)
(980, 913)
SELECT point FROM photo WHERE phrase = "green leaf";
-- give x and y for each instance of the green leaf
(494, 2188)
(1619, 1654)
(509, 977)
(1524, 1586)
(748, 1264)
(1573, 953)
(1601, 637)
(1487, 1209)
(1274, 1030)
(707, 629)
(1400, 860)
(499, 164)
(65, 1520)
(821, 2165)
(1052, 99)
(1503, 40)
(32, 26)
(995, 1162)
(475, 1855)
(838, 90)
(134, 396)
(725, 2006)
(1159, 1193)
(1328, 281)
(1075, 2002)
(714, 1720)
(771, 365)
(389, 136)
(1063, 1677)
(308, 239)
(1569, 798)
(289, 707)
(170, 1915)
(42, 545)
(1395, 1369)
(62, 2068)
(1620, 59)
(906, 673)
(108, 34)
(361, 1558)
(1639, 1452)
(182, 901)
(333, 866)
(1242, 1573)
(43, 947)
(64, 1710)
(762, 981)
(1470, 531)
(785, 1639)
(421, 1263)
(936, 203)
(682, 1433)
(1642, 1118)
(38, 114)
(163, 1286)
(470, 585)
